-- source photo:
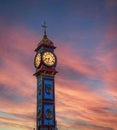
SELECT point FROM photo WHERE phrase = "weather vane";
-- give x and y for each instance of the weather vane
(44, 26)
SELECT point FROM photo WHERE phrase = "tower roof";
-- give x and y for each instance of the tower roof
(45, 41)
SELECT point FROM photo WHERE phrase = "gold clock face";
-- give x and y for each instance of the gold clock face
(37, 60)
(49, 58)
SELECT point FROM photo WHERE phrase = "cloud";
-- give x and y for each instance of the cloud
(111, 4)
(83, 104)
(77, 98)
(17, 81)
(10, 123)
(106, 56)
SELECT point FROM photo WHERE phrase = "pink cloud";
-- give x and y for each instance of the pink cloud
(74, 61)
(111, 3)
(83, 104)
(16, 75)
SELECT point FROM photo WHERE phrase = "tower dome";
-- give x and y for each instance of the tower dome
(46, 41)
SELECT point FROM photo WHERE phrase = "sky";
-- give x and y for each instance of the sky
(85, 34)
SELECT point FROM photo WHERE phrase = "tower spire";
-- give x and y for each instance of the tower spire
(44, 26)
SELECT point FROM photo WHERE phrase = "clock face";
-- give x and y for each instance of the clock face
(37, 60)
(49, 58)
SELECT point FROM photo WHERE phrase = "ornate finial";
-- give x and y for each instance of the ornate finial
(44, 26)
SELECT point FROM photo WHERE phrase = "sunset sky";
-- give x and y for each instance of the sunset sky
(85, 34)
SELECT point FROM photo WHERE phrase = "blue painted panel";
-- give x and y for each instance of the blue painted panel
(48, 115)
(39, 115)
(48, 89)
(39, 90)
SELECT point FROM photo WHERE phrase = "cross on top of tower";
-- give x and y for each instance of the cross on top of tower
(44, 26)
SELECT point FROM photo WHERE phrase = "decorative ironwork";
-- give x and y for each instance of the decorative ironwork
(48, 89)
(48, 114)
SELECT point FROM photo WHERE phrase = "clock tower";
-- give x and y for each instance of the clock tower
(45, 63)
